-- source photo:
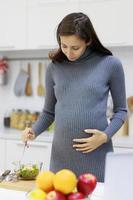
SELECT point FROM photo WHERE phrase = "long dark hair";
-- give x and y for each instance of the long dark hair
(77, 24)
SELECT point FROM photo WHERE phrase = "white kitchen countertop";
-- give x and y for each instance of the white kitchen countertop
(7, 194)
(13, 134)
(12, 194)
(123, 141)
(98, 193)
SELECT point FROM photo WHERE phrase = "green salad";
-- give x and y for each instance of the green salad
(28, 171)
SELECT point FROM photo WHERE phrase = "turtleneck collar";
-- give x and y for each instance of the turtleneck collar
(89, 52)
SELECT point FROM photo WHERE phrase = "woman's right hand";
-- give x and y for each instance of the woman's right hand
(28, 134)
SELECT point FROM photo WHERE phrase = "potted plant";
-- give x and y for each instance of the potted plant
(3, 71)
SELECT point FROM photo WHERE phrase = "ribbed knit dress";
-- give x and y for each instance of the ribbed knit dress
(76, 98)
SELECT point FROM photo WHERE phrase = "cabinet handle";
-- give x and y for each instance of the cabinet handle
(34, 145)
(47, 47)
(51, 1)
(7, 47)
(117, 44)
(94, 1)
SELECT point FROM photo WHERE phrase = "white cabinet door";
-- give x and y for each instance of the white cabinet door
(127, 13)
(2, 154)
(108, 19)
(13, 24)
(43, 18)
(36, 153)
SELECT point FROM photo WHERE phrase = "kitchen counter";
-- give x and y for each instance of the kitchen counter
(123, 141)
(11, 194)
(13, 134)
(7, 194)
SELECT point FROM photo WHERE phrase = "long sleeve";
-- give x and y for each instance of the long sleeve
(47, 116)
(117, 89)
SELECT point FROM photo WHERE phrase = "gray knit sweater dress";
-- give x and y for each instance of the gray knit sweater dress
(76, 98)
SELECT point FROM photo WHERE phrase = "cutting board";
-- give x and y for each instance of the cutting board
(18, 185)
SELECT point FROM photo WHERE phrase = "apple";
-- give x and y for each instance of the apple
(76, 196)
(55, 195)
(86, 183)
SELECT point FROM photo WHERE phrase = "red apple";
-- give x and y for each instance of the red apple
(86, 183)
(76, 196)
(55, 195)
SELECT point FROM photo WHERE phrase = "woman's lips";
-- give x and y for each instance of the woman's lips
(71, 58)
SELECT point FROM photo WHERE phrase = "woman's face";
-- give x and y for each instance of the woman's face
(72, 46)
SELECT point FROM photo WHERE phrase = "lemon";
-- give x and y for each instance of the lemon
(37, 194)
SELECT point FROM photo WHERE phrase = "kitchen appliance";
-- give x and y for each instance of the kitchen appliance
(118, 176)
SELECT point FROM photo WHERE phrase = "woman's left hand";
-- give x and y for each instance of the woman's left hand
(86, 145)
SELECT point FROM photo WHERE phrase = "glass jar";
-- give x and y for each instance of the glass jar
(17, 119)
(13, 118)
(34, 116)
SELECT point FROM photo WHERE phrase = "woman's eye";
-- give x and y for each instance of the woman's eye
(75, 48)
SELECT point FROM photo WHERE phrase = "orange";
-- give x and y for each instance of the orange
(65, 181)
(45, 181)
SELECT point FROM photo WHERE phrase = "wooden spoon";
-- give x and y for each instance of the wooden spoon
(40, 87)
(28, 90)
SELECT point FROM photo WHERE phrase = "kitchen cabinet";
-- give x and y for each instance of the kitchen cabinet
(128, 15)
(13, 24)
(43, 18)
(36, 153)
(110, 21)
(31, 24)
(123, 149)
(2, 154)
(123, 143)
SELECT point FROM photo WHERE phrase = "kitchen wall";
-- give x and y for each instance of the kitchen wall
(125, 54)
(8, 100)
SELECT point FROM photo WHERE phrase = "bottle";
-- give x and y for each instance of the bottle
(6, 120)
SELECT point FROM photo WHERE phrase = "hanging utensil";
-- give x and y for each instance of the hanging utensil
(28, 90)
(40, 87)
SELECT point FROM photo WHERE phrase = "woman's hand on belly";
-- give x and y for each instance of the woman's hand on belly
(86, 145)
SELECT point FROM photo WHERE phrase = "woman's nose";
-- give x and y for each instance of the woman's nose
(69, 52)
